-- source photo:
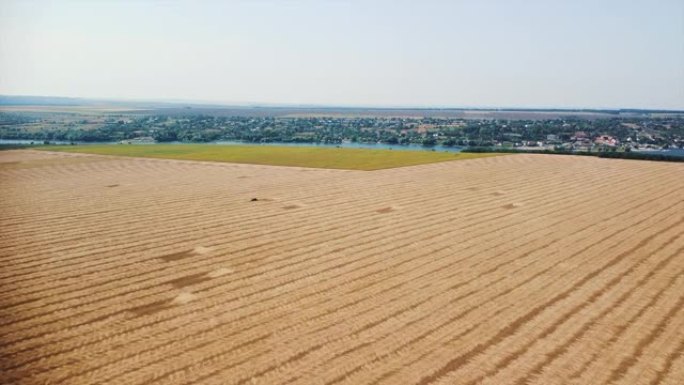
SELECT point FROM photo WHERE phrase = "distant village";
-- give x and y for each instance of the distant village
(568, 134)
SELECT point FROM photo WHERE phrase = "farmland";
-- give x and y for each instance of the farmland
(521, 269)
(337, 158)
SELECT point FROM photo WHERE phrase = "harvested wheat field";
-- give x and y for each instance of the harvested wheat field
(521, 269)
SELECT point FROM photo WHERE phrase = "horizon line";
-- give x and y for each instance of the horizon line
(225, 104)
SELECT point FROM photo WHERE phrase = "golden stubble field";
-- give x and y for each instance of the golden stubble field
(521, 269)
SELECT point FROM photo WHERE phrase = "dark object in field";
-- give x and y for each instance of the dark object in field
(254, 200)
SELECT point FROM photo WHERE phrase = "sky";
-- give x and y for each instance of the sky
(460, 53)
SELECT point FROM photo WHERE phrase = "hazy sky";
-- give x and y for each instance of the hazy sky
(468, 53)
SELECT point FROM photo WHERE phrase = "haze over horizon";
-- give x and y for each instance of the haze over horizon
(518, 54)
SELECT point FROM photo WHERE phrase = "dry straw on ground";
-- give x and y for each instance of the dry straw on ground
(524, 269)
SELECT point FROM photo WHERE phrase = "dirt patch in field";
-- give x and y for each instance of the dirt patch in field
(173, 257)
(201, 250)
(189, 280)
(151, 308)
(177, 256)
(184, 298)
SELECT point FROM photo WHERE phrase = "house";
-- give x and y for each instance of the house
(579, 136)
(606, 140)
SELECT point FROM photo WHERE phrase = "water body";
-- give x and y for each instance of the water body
(372, 146)
(678, 152)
